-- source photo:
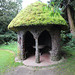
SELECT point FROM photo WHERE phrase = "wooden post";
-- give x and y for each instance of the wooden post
(21, 47)
(37, 55)
(55, 53)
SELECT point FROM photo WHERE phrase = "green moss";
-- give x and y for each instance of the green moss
(37, 14)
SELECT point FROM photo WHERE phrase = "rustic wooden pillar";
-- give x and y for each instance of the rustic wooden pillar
(21, 47)
(37, 54)
(55, 53)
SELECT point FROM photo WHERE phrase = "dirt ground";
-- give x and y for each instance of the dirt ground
(23, 70)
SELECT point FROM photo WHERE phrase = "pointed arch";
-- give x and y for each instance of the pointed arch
(45, 39)
(29, 42)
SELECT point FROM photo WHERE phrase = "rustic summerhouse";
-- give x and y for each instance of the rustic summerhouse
(38, 29)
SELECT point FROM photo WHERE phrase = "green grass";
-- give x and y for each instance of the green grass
(64, 68)
(7, 61)
(12, 46)
(68, 66)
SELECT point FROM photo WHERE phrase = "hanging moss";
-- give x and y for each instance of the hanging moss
(37, 14)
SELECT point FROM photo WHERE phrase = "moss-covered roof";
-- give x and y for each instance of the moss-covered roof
(37, 14)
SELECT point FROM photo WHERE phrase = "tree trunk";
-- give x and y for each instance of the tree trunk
(55, 52)
(71, 23)
(37, 56)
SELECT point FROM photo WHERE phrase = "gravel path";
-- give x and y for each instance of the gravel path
(22, 70)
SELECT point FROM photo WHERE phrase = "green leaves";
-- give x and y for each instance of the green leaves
(8, 10)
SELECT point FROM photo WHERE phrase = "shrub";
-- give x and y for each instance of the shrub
(8, 36)
(69, 49)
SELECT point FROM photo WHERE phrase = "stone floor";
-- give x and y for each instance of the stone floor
(44, 61)
(31, 69)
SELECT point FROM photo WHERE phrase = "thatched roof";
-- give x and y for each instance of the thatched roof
(37, 13)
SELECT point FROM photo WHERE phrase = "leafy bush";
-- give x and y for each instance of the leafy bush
(65, 36)
(8, 36)
(69, 49)
(8, 10)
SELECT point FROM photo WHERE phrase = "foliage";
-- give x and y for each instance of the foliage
(65, 36)
(37, 14)
(7, 61)
(8, 36)
(73, 4)
(56, 5)
(8, 10)
(63, 4)
(70, 47)
(68, 51)
(67, 67)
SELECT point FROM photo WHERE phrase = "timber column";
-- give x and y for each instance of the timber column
(21, 48)
(55, 53)
(37, 54)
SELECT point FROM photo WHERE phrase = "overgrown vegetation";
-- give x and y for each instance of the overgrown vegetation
(65, 68)
(8, 10)
(69, 48)
(7, 14)
(37, 13)
(68, 67)
(68, 8)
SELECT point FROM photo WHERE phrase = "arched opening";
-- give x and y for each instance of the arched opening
(45, 42)
(29, 42)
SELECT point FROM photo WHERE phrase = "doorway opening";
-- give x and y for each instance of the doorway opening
(29, 43)
(45, 42)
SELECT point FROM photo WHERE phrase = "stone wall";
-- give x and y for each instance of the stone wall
(36, 31)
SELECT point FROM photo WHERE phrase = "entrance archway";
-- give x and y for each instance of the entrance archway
(45, 41)
(29, 42)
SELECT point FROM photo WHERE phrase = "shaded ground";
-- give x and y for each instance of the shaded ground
(64, 68)
(22, 70)
(44, 60)
(54, 70)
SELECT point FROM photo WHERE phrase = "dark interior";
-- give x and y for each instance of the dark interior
(45, 40)
(29, 43)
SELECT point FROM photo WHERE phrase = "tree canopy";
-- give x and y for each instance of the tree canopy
(8, 10)
(68, 7)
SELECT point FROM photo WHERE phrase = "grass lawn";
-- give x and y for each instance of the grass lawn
(12, 46)
(67, 67)
(7, 56)
(7, 60)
